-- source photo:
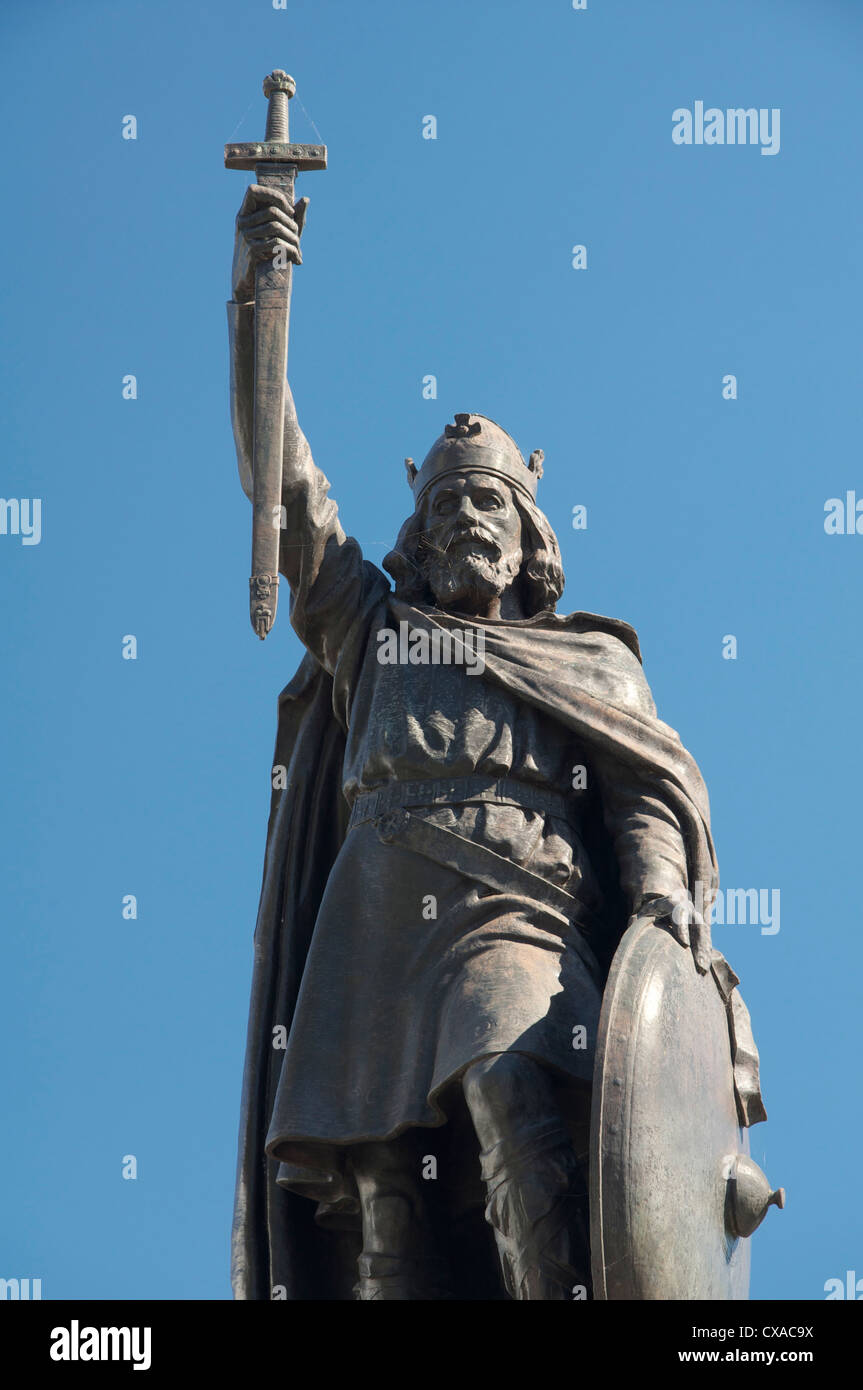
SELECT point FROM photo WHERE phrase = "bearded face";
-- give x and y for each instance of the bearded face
(471, 551)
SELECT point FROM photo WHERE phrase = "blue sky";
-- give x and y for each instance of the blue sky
(449, 257)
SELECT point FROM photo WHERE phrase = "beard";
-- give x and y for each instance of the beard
(470, 579)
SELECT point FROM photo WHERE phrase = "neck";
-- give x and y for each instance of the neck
(505, 605)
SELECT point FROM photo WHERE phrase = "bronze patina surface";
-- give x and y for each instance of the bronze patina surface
(482, 989)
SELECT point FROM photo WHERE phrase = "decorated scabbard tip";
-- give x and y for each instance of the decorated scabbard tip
(263, 598)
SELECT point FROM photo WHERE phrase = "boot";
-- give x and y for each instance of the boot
(387, 1278)
(537, 1207)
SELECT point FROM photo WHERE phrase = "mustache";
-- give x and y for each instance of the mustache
(458, 537)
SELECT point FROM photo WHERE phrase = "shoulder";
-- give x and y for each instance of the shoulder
(610, 627)
(609, 661)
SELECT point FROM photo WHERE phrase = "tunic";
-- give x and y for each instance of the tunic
(414, 969)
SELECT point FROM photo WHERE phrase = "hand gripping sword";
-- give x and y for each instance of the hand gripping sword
(276, 163)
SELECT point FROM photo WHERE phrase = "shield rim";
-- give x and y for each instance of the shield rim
(609, 1103)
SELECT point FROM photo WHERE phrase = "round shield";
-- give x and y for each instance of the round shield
(665, 1133)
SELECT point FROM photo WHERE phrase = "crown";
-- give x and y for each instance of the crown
(475, 444)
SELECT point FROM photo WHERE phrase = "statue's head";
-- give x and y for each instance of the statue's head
(476, 533)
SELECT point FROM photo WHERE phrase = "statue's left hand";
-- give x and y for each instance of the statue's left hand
(680, 916)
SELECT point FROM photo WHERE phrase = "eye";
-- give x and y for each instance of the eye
(443, 504)
(490, 504)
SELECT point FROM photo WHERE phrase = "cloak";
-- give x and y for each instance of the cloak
(277, 1242)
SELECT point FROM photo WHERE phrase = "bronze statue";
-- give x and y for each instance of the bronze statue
(477, 919)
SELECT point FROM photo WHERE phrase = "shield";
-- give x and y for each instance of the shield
(667, 1149)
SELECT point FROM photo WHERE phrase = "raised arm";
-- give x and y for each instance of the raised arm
(330, 582)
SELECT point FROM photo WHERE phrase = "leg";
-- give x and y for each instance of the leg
(536, 1195)
(398, 1259)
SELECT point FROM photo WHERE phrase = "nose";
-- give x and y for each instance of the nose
(466, 510)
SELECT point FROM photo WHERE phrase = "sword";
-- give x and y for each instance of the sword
(276, 163)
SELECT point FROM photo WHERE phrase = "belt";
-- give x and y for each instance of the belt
(486, 866)
(449, 791)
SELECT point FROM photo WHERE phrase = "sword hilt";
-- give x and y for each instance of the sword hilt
(279, 87)
(276, 147)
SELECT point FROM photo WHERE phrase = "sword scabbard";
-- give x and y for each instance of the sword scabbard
(272, 310)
